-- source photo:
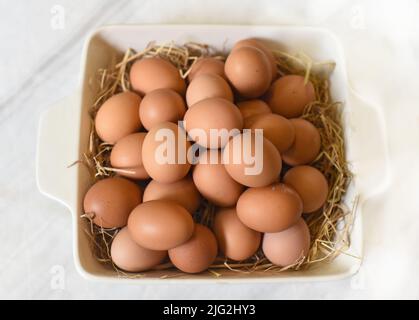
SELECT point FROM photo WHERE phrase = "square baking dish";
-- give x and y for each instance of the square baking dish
(64, 134)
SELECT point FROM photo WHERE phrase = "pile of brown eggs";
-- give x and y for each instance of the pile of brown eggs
(254, 211)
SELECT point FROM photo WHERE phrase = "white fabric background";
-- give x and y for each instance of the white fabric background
(39, 65)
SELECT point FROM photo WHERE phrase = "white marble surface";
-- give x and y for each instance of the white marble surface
(40, 64)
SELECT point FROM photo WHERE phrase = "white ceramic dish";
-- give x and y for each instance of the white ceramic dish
(64, 131)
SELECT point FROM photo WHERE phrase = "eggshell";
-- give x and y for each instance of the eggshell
(269, 209)
(160, 224)
(213, 181)
(111, 200)
(248, 122)
(235, 240)
(310, 184)
(161, 105)
(198, 253)
(276, 129)
(264, 167)
(164, 153)
(252, 42)
(129, 256)
(249, 71)
(118, 117)
(183, 192)
(288, 96)
(251, 108)
(148, 74)
(215, 114)
(306, 146)
(208, 86)
(207, 66)
(126, 155)
(287, 247)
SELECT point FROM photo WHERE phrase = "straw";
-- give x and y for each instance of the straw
(330, 226)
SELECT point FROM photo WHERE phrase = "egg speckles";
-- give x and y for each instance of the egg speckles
(289, 95)
(249, 71)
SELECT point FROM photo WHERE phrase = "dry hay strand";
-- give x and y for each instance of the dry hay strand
(330, 226)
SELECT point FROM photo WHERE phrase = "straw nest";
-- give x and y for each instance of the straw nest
(329, 227)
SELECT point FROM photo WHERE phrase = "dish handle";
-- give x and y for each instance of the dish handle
(371, 158)
(57, 148)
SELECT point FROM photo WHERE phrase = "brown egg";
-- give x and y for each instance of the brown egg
(269, 209)
(164, 153)
(148, 74)
(111, 200)
(208, 86)
(287, 247)
(160, 224)
(129, 256)
(249, 71)
(210, 115)
(306, 146)
(213, 181)
(183, 192)
(276, 129)
(198, 253)
(161, 105)
(235, 240)
(288, 96)
(126, 155)
(206, 66)
(251, 108)
(118, 117)
(252, 162)
(310, 184)
(252, 42)
(249, 121)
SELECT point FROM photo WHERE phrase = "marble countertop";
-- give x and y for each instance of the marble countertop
(40, 56)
